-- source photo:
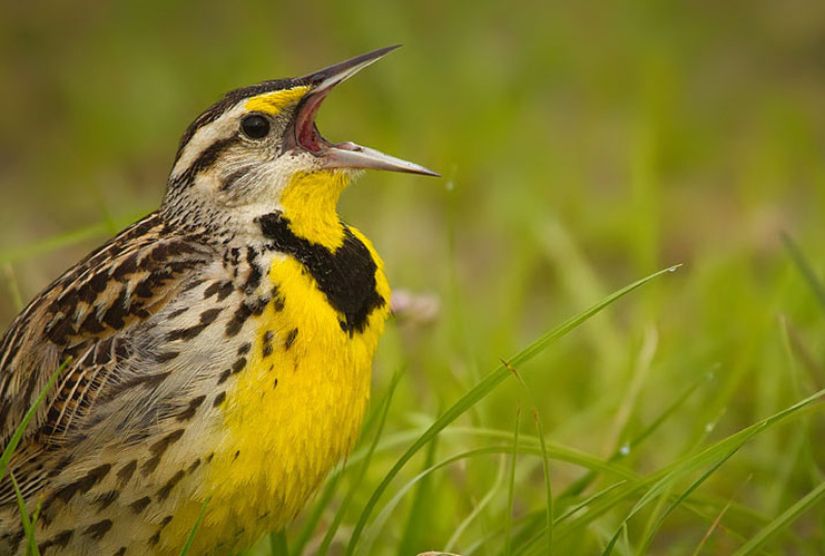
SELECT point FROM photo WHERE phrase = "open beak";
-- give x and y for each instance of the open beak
(342, 155)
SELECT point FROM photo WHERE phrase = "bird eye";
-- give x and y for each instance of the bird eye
(255, 126)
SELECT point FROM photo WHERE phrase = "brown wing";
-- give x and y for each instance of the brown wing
(82, 317)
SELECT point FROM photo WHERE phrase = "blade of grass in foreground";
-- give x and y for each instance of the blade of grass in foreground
(657, 482)
(511, 489)
(783, 520)
(21, 428)
(545, 461)
(28, 526)
(805, 268)
(277, 544)
(187, 546)
(482, 389)
(578, 486)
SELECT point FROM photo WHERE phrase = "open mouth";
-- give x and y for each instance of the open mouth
(341, 155)
(306, 130)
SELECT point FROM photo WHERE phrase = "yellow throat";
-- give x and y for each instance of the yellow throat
(297, 408)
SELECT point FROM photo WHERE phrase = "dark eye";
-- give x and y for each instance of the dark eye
(255, 126)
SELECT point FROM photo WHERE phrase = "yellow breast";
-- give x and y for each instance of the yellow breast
(295, 410)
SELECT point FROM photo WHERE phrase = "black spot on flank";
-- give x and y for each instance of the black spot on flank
(177, 312)
(224, 376)
(60, 540)
(150, 465)
(290, 338)
(237, 453)
(267, 343)
(154, 539)
(195, 465)
(165, 521)
(166, 356)
(219, 399)
(84, 484)
(125, 473)
(192, 284)
(99, 529)
(238, 319)
(239, 365)
(157, 450)
(191, 409)
(206, 318)
(150, 380)
(226, 289)
(253, 279)
(275, 385)
(120, 551)
(211, 290)
(244, 349)
(164, 491)
(159, 447)
(209, 316)
(139, 505)
(105, 500)
(346, 276)
(209, 457)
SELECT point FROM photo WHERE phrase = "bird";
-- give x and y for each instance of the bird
(213, 360)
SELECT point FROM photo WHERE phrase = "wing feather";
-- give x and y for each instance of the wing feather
(86, 316)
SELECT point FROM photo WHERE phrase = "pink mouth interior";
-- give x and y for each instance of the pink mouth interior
(306, 132)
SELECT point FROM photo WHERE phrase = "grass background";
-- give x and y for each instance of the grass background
(583, 145)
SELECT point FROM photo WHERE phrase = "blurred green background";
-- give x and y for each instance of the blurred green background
(583, 145)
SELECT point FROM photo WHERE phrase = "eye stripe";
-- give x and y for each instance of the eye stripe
(205, 160)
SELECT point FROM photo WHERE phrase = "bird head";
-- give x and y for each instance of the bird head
(259, 149)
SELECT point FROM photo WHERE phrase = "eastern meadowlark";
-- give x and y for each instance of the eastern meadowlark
(219, 349)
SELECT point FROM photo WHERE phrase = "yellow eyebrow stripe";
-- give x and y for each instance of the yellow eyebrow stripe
(272, 103)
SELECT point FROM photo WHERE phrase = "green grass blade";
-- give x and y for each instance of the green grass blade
(511, 490)
(578, 486)
(482, 389)
(8, 451)
(545, 463)
(419, 514)
(804, 266)
(651, 533)
(659, 481)
(783, 520)
(277, 544)
(190, 539)
(477, 508)
(28, 527)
